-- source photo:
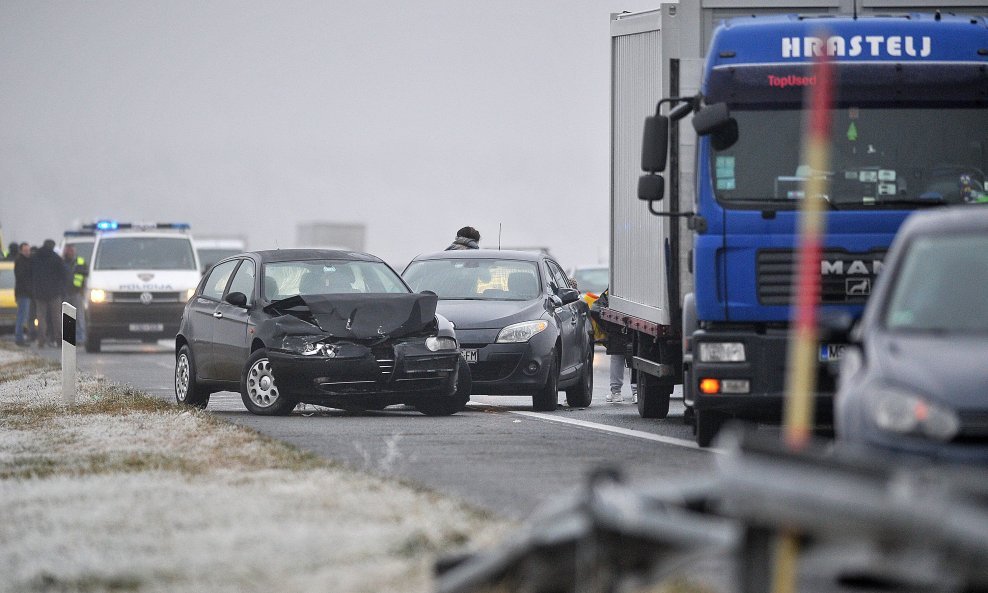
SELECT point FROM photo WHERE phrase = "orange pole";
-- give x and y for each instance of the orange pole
(803, 340)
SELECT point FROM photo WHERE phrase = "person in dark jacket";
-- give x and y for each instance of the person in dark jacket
(47, 288)
(22, 292)
(466, 238)
(12, 251)
(617, 345)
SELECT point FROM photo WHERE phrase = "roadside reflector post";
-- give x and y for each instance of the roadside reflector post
(68, 353)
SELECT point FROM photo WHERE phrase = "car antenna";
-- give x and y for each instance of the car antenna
(499, 236)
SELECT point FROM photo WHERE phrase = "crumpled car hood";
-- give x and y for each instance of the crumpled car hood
(362, 317)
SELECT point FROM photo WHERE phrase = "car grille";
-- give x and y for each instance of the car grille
(974, 428)
(494, 370)
(385, 356)
(845, 278)
(135, 297)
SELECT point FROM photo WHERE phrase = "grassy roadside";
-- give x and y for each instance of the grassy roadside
(124, 492)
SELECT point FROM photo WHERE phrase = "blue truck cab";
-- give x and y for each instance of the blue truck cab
(909, 130)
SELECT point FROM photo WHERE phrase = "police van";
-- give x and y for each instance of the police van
(140, 277)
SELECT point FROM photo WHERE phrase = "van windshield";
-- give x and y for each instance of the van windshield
(145, 253)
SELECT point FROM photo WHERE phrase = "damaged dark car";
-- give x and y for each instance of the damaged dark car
(330, 328)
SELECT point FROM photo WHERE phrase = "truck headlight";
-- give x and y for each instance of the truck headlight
(98, 295)
(435, 343)
(902, 412)
(521, 332)
(722, 352)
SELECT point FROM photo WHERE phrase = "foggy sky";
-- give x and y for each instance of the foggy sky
(244, 118)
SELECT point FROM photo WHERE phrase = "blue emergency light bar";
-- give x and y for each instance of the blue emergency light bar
(113, 225)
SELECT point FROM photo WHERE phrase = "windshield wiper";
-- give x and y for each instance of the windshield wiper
(794, 202)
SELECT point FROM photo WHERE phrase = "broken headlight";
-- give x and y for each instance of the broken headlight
(435, 343)
(309, 346)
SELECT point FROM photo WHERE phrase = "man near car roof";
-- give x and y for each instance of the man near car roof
(22, 291)
(466, 238)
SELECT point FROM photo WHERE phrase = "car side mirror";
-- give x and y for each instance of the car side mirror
(237, 299)
(555, 301)
(568, 295)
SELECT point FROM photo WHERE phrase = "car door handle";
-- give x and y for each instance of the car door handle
(217, 314)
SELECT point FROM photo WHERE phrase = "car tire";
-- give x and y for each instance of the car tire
(188, 391)
(93, 343)
(546, 398)
(259, 390)
(708, 423)
(581, 394)
(653, 396)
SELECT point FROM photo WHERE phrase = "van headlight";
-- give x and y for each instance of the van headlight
(188, 294)
(722, 352)
(900, 411)
(98, 295)
(521, 332)
(436, 343)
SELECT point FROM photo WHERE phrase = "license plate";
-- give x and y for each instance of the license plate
(469, 354)
(830, 352)
(147, 327)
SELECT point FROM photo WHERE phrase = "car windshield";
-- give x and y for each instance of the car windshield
(591, 279)
(145, 253)
(291, 278)
(880, 157)
(941, 286)
(475, 279)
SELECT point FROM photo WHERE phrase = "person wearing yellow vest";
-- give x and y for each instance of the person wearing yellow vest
(76, 271)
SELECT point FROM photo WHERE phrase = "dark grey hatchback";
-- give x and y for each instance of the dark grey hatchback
(522, 328)
(332, 328)
(915, 378)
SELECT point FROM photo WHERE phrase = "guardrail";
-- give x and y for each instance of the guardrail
(922, 526)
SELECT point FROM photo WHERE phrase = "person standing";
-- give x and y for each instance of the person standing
(22, 292)
(617, 351)
(12, 251)
(466, 238)
(47, 288)
(76, 270)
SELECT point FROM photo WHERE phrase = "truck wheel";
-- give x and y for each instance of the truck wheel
(188, 391)
(93, 343)
(580, 395)
(653, 397)
(708, 423)
(546, 398)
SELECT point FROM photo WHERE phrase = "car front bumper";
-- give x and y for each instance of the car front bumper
(384, 375)
(134, 320)
(507, 369)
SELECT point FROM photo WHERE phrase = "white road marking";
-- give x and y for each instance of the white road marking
(616, 430)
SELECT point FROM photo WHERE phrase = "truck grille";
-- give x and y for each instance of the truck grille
(845, 278)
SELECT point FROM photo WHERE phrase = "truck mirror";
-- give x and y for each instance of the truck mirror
(651, 187)
(711, 118)
(655, 143)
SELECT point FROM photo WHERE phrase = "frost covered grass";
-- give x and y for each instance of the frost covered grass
(124, 492)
